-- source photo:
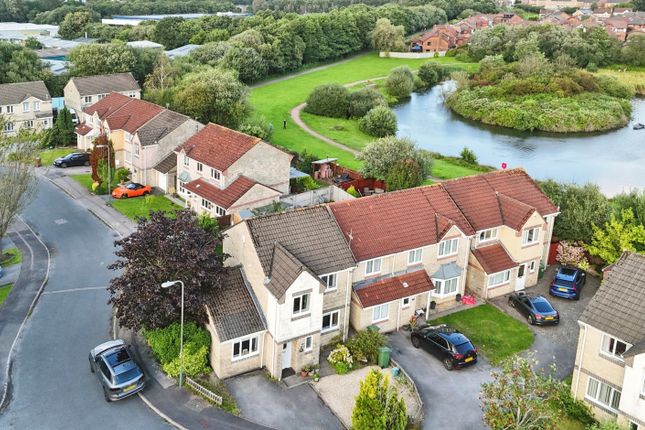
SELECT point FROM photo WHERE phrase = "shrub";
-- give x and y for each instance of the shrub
(577, 410)
(378, 122)
(341, 368)
(329, 100)
(404, 174)
(352, 191)
(378, 405)
(365, 344)
(611, 86)
(468, 156)
(400, 82)
(431, 73)
(592, 67)
(122, 174)
(364, 100)
(308, 183)
(195, 362)
(571, 254)
(258, 127)
(341, 359)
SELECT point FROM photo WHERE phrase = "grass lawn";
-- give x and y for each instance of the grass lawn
(341, 130)
(495, 334)
(10, 257)
(444, 169)
(4, 292)
(47, 156)
(275, 101)
(141, 207)
(634, 78)
(85, 179)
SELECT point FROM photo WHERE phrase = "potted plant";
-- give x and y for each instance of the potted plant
(313, 369)
(316, 377)
(304, 372)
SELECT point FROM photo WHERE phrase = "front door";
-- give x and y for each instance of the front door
(521, 277)
(286, 355)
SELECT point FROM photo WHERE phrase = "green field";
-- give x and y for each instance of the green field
(141, 206)
(444, 169)
(4, 292)
(275, 100)
(85, 179)
(47, 156)
(341, 130)
(495, 334)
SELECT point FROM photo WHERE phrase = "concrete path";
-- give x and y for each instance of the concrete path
(269, 403)
(295, 115)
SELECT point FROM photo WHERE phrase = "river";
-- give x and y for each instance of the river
(614, 160)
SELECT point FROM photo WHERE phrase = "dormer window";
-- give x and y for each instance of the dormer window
(530, 236)
(186, 160)
(25, 107)
(448, 247)
(488, 235)
(215, 174)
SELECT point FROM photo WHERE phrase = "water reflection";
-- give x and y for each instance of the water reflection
(614, 160)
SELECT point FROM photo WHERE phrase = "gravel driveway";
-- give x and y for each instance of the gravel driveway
(555, 344)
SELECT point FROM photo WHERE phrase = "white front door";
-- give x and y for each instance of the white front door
(162, 181)
(286, 355)
(521, 277)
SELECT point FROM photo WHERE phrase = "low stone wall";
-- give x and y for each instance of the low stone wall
(410, 55)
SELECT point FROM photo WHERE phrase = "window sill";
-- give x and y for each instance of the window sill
(246, 357)
(490, 287)
(602, 406)
(442, 295)
(379, 321)
(614, 359)
(443, 257)
(330, 291)
(329, 330)
(528, 245)
(300, 316)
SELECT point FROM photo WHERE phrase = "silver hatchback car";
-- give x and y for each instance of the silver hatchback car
(117, 370)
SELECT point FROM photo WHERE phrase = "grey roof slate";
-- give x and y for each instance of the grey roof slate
(234, 308)
(167, 163)
(11, 94)
(447, 271)
(618, 308)
(159, 126)
(103, 84)
(285, 269)
(310, 234)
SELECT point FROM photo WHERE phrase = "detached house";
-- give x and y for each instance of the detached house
(222, 171)
(609, 371)
(81, 92)
(25, 105)
(298, 266)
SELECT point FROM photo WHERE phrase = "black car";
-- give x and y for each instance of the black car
(536, 309)
(73, 159)
(447, 344)
(117, 370)
(568, 283)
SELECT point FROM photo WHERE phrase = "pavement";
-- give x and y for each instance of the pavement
(268, 402)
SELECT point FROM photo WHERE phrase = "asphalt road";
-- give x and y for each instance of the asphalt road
(52, 387)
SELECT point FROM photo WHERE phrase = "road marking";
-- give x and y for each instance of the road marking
(160, 413)
(73, 290)
(60, 221)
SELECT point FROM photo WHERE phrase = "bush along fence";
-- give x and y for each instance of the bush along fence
(204, 391)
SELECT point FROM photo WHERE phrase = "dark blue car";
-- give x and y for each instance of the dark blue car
(568, 283)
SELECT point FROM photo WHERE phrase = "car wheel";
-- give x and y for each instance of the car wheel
(415, 342)
(447, 363)
(531, 319)
(63, 165)
(87, 163)
(124, 196)
(106, 396)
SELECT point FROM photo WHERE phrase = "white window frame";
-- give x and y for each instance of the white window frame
(200, 167)
(215, 174)
(36, 106)
(182, 185)
(330, 281)
(29, 123)
(452, 246)
(301, 309)
(532, 265)
(136, 150)
(206, 204)
(331, 326)
(309, 340)
(489, 234)
(405, 302)
(87, 99)
(505, 278)
(593, 392)
(534, 232)
(609, 344)
(220, 211)
(250, 352)
(9, 108)
(370, 266)
(380, 312)
(25, 107)
(186, 160)
(132, 95)
(8, 127)
(440, 286)
(643, 386)
(415, 256)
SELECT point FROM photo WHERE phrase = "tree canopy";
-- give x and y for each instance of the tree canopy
(387, 37)
(20, 64)
(379, 157)
(378, 405)
(620, 233)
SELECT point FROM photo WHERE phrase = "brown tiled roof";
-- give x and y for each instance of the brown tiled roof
(218, 146)
(108, 105)
(618, 307)
(477, 201)
(516, 183)
(167, 163)
(494, 258)
(394, 288)
(83, 129)
(234, 308)
(514, 213)
(124, 113)
(104, 84)
(310, 234)
(222, 197)
(285, 269)
(12, 94)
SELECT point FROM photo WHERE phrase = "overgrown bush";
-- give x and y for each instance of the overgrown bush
(341, 359)
(122, 174)
(329, 100)
(258, 127)
(563, 401)
(572, 254)
(352, 191)
(468, 156)
(365, 344)
(404, 174)
(379, 122)
(164, 343)
(400, 82)
(364, 100)
(431, 73)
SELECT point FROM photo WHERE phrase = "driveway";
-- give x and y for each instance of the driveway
(450, 398)
(555, 344)
(269, 403)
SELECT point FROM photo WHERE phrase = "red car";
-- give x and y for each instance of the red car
(131, 190)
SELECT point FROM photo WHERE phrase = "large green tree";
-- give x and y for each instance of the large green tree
(75, 24)
(400, 82)
(387, 37)
(378, 405)
(165, 248)
(639, 4)
(633, 51)
(213, 95)
(62, 132)
(19, 64)
(619, 234)
(380, 156)
(171, 33)
(99, 59)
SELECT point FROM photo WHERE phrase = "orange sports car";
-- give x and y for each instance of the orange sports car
(131, 190)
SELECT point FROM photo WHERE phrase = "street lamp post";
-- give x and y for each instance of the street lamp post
(169, 284)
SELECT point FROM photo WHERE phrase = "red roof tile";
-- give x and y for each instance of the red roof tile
(218, 146)
(387, 290)
(494, 258)
(477, 201)
(224, 198)
(108, 104)
(124, 113)
(83, 129)
(516, 183)
(514, 213)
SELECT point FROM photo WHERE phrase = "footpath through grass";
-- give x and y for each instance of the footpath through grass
(137, 207)
(275, 101)
(495, 334)
(47, 156)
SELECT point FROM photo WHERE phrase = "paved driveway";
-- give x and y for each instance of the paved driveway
(450, 398)
(555, 344)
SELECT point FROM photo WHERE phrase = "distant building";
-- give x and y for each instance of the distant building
(25, 105)
(144, 44)
(16, 32)
(181, 51)
(81, 92)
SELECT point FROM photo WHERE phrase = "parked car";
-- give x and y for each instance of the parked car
(568, 282)
(536, 309)
(73, 159)
(131, 190)
(117, 370)
(447, 344)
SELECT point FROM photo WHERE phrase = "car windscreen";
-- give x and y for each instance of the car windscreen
(542, 306)
(464, 347)
(128, 375)
(131, 186)
(118, 357)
